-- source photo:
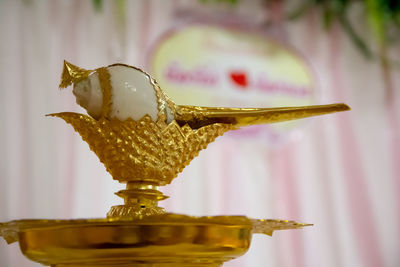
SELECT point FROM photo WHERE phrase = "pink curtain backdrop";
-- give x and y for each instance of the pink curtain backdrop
(342, 172)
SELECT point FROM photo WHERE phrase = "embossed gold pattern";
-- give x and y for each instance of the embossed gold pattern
(72, 74)
(262, 226)
(142, 151)
(105, 83)
(146, 154)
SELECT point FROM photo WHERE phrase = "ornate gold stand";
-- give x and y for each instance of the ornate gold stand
(139, 233)
(146, 154)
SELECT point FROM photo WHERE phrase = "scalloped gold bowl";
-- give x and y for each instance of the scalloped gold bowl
(143, 151)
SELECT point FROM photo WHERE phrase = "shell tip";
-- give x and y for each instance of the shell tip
(72, 74)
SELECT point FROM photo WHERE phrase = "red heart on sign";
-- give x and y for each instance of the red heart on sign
(239, 78)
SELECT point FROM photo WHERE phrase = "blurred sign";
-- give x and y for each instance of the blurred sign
(215, 66)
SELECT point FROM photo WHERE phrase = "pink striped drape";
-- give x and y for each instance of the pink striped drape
(340, 172)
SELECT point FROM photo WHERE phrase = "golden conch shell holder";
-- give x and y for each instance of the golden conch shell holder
(142, 154)
(146, 154)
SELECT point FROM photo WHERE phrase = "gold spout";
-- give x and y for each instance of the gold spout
(198, 117)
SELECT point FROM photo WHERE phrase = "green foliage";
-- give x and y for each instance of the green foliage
(382, 16)
(98, 4)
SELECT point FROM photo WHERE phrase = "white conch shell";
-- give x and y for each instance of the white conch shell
(89, 95)
(133, 94)
(121, 91)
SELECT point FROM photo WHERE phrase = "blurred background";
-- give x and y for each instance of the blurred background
(340, 172)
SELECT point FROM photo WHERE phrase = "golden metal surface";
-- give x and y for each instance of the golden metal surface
(199, 116)
(143, 151)
(105, 83)
(146, 154)
(149, 153)
(72, 74)
(160, 240)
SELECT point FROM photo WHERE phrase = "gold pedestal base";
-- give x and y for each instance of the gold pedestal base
(161, 240)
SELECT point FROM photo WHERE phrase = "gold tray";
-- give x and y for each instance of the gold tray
(161, 240)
